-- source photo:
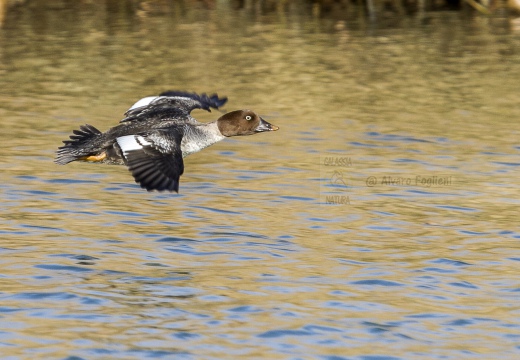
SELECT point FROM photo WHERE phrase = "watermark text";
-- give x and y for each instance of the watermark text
(418, 180)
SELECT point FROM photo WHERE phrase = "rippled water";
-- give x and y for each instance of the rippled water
(380, 222)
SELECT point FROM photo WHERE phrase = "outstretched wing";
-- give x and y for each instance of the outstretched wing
(154, 158)
(206, 101)
(172, 104)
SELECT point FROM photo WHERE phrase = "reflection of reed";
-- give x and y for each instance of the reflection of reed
(514, 5)
(374, 10)
(479, 6)
(3, 6)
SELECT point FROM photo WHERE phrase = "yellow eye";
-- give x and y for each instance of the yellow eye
(248, 117)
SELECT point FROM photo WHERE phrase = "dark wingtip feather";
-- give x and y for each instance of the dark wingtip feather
(160, 172)
(207, 102)
(63, 157)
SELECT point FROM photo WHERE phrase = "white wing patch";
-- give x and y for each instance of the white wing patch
(144, 101)
(132, 142)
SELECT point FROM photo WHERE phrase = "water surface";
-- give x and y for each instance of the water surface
(380, 222)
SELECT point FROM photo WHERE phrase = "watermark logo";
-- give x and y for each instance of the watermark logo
(337, 161)
(337, 181)
(338, 178)
(334, 180)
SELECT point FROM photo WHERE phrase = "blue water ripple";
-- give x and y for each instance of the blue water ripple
(175, 239)
(44, 295)
(376, 282)
(125, 213)
(47, 228)
(427, 316)
(282, 333)
(439, 270)
(320, 328)
(459, 322)
(62, 268)
(379, 357)
(464, 284)
(505, 163)
(450, 262)
(458, 208)
(298, 198)
(70, 181)
(185, 335)
(220, 211)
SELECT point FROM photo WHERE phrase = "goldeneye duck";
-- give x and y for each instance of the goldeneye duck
(156, 134)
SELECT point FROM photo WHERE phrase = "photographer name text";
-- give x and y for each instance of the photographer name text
(422, 181)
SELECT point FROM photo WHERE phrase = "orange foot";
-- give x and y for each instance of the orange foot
(95, 158)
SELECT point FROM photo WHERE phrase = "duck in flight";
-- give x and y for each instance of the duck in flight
(156, 134)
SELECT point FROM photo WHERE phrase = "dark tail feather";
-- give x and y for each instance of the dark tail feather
(74, 148)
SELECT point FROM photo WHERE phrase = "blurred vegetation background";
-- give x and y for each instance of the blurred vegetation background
(372, 10)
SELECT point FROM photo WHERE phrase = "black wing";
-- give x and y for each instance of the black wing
(154, 159)
(206, 101)
(174, 105)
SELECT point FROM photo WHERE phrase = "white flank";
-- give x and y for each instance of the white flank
(131, 142)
